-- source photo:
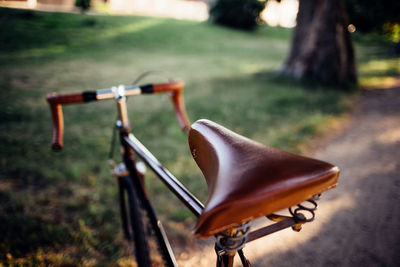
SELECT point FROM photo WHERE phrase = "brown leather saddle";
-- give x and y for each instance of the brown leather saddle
(247, 180)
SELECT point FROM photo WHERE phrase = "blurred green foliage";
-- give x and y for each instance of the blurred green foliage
(371, 15)
(83, 4)
(240, 14)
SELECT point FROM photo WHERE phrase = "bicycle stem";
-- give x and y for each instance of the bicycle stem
(122, 110)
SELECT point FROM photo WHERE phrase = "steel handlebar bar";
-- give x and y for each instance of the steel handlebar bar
(175, 88)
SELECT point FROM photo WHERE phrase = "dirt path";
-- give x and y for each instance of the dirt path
(358, 224)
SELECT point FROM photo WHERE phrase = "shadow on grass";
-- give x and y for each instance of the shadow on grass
(35, 230)
(23, 234)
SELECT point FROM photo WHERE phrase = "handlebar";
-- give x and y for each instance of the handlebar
(175, 88)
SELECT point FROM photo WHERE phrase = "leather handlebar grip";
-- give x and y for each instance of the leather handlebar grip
(56, 101)
(179, 107)
(176, 90)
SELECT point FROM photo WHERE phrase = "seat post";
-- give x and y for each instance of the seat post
(229, 242)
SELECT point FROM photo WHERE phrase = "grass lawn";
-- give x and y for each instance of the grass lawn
(61, 208)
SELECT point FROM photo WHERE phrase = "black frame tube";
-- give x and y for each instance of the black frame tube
(187, 198)
(162, 240)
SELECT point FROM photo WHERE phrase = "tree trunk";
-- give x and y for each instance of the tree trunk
(321, 48)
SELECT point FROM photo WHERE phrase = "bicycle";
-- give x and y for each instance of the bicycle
(246, 180)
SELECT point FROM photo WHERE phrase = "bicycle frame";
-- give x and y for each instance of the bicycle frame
(228, 242)
(130, 143)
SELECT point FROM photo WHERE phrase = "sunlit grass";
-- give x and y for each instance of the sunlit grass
(380, 73)
(381, 66)
(130, 28)
(379, 82)
(378, 66)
